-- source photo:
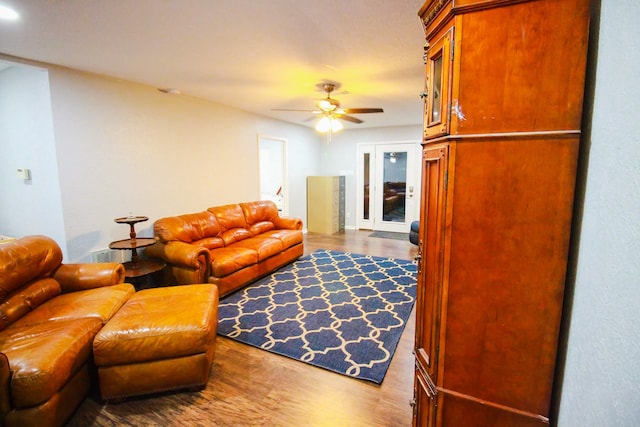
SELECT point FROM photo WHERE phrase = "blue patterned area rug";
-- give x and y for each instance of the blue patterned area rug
(336, 310)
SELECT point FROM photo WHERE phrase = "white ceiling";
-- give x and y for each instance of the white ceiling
(254, 55)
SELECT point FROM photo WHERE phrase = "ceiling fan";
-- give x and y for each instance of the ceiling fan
(331, 110)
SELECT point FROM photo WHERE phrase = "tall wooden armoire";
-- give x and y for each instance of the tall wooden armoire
(503, 102)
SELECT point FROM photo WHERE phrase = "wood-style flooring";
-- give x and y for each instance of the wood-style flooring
(252, 387)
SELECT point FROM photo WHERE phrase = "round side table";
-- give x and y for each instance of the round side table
(136, 268)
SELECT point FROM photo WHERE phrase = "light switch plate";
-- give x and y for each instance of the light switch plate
(24, 173)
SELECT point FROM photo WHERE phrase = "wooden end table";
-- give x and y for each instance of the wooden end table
(137, 268)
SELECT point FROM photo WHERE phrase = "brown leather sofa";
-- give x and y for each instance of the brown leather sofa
(50, 313)
(229, 246)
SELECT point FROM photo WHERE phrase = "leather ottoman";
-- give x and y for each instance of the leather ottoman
(161, 339)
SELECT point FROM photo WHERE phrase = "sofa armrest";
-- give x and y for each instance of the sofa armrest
(5, 386)
(179, 253)
(78, 277)
(287, 223)
(188, 263)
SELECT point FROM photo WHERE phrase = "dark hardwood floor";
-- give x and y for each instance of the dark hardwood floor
(252, 387)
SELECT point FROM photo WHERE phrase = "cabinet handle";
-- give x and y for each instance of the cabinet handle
(424, 94)
(417, 258)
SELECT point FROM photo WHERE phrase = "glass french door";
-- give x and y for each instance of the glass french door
(388, 190)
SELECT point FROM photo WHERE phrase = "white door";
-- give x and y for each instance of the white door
(388, 186)
(273, 171)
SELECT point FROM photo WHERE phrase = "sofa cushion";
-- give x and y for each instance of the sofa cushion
(229, 217)
(210, 243)
(26, 299)
(261, 227)
(288, 238)
(44, 356)
(265, 247)
(235, 235)
(228, 260)
(101, 303)
(187, 228)
(259, 211)
(26, 259)
(233, 226)
(260, 216)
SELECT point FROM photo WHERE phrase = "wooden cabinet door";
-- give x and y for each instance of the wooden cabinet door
(437, 94)
(424, 401)
(431, 268)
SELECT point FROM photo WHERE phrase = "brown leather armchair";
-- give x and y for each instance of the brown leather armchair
(49, 315)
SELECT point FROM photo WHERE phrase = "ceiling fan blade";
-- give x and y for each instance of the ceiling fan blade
(290, 109)
(349, 118)
(363, 110)
(308, 119)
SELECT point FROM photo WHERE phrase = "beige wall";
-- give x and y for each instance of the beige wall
(26, 141)
(127, 148)
(120, 147)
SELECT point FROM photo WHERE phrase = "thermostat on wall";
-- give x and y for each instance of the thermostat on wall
(24, 173)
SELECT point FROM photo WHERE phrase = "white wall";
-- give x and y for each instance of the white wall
(26, 141)
(119, 148)
(602, 375)
(127, 148)
(339, 156)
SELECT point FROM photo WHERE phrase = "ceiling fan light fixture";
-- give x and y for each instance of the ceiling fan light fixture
(328, 104)
(324, 124)
(336, 125)
(330, 110)
(327, 124)
(325, 105)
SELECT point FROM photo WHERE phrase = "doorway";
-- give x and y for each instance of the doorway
(272, 164)
(388, 186)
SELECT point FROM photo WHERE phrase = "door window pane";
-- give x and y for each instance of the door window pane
(365, 180)
(395, 185)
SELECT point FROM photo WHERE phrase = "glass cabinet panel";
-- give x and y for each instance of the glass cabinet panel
(436, 89)
(437, 106)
